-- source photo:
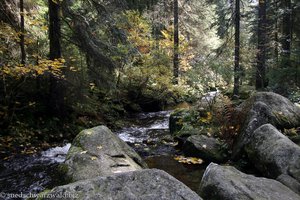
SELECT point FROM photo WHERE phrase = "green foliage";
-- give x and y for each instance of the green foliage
(193, 121)
(284, 80)
(221, 121)
(130, 43)
(147, 71)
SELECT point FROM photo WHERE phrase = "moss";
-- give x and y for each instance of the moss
(63, 169)
(73, 150)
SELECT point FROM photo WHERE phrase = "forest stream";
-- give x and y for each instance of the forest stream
(148, 135)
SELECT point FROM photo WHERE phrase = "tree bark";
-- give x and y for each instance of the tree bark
(176, 43)
(276, 38)
(56, 105)
(286, 34)
(262, 46)
(22, 35)
(54, 30)
(237, 70)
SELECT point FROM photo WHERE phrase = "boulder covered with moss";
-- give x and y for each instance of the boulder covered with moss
(99, 152)
(263, 108)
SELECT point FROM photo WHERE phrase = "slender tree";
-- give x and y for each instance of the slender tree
(176, 43)
(276, 37)
(237, 69)
(56, 104)
(262, 45)
(54, 30)
(22, 35)
(286, 33)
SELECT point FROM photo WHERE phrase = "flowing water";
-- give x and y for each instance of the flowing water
(148, 135)
(31, 173)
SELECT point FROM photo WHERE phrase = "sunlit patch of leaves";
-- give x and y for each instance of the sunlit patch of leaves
(189, 160)
(44, 67)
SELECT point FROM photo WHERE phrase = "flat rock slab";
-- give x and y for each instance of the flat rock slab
(148, 184)
(99, 152)
(227, 183)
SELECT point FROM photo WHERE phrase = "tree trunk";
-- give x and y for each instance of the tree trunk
(262, 46)
(286, 34)
(54, 30)
(22, 36)
(276, 52)
(237, 70)
(176, 43)
(56, 105)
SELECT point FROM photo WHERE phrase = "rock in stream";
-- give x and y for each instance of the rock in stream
(99, 152)
(227, 183)
(148, 184)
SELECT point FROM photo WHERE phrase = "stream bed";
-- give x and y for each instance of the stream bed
(148, 135)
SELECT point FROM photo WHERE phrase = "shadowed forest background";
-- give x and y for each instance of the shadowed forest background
(66, 65)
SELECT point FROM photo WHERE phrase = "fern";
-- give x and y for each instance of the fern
(227, 119)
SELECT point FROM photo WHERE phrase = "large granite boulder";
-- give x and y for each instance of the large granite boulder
(285, 113)
(273, 153)
(207, 148)
(99, 152)
(148, 184)
(227, 183)
(263, 108)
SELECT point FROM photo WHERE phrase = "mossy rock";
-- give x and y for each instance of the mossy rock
(99, 152)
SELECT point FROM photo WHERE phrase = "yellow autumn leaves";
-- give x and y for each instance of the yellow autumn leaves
(45, 66)
(207, 119)
(189, 160)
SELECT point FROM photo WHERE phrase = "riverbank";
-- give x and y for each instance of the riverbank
(148, 134)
